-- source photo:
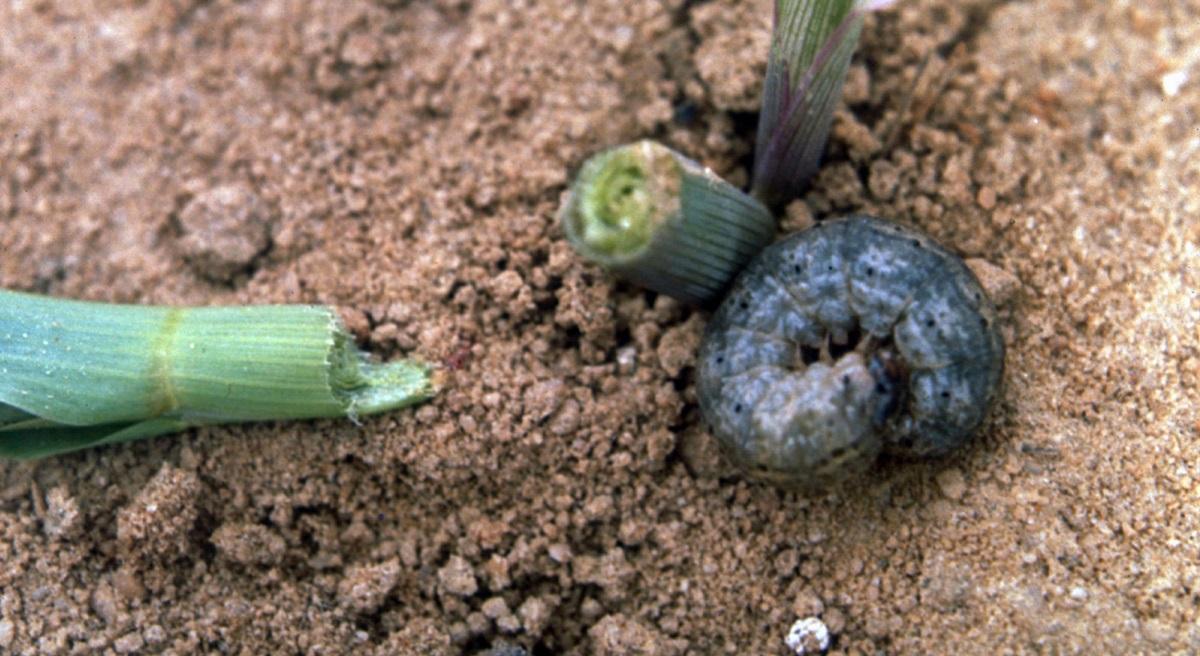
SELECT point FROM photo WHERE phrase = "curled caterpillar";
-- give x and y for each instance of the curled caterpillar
(854, 337)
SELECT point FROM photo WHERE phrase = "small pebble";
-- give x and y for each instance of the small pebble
(495, 608)
(365, 587)
(627, 360)
(7, 632)
(1000, 285)
(224, 229)
(798, 216)
(129, 643)
(62, 514)
(457, 578)
(249, 544)
(154, 634)
(534, 614)
(952, 483)
(808, 636)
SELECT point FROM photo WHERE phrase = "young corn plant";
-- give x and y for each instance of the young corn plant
(659, 219)
(76, 374)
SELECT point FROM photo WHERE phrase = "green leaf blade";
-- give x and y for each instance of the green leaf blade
(249, 364)
(53, 440)
(76, 374)
(76, 363)
(811, 48)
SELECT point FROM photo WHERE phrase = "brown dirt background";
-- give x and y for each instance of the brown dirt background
(404, 160)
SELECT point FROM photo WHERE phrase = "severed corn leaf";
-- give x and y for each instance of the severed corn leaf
(76, 374)
(657, 218)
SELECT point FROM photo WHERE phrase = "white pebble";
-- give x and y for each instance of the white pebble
(1172, 82)
(808, 636)
(627, 359)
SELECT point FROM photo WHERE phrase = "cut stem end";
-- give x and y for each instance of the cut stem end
(661, 220)
(621, 196)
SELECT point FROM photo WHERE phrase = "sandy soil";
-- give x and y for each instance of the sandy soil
(404, 160)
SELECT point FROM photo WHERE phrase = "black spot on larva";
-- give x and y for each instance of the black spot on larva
(889, 377)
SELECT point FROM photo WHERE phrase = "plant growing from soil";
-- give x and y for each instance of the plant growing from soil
(659, 219)
(76, 374)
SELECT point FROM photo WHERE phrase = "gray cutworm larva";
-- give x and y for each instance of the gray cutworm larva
(853, 337)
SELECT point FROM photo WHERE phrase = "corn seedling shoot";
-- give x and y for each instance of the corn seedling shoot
(77, 374)
(656, 218)
(659, 219)
(811, 47)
